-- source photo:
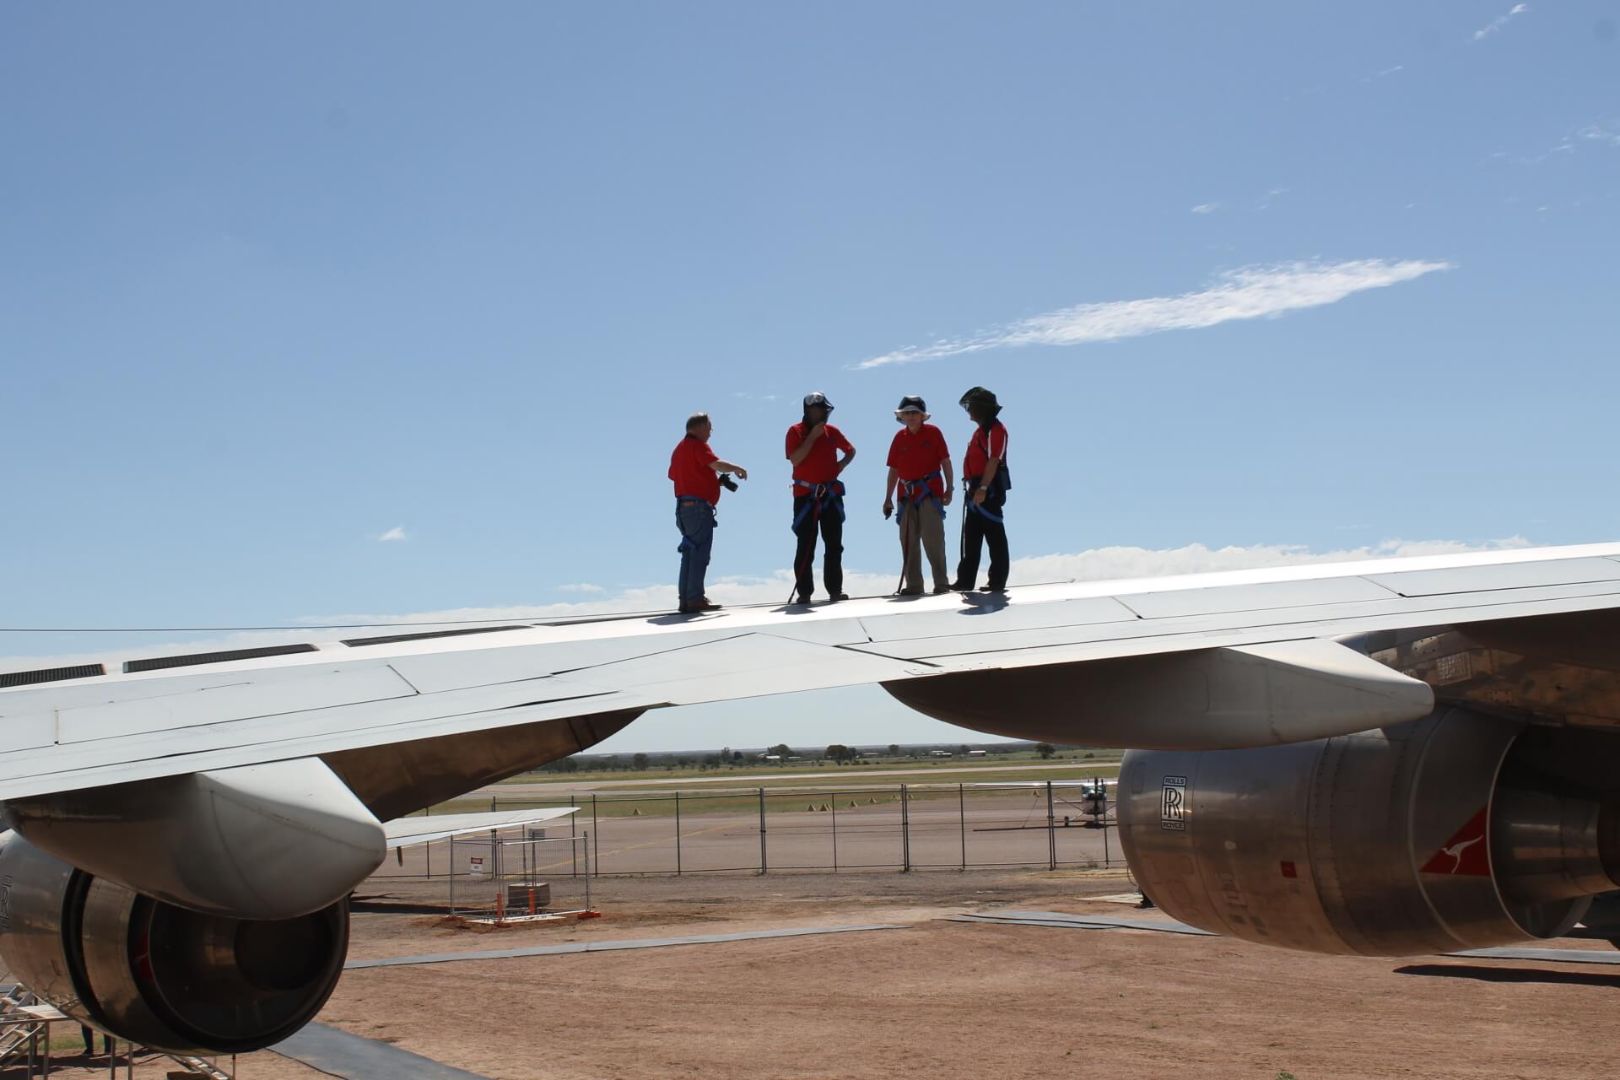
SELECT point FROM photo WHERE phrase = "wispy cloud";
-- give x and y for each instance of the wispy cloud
(1495, 25)
(583, 588)
(395, 534)
(1206, 208)
(1383, 73)
(1270, 197)
(1249, 293)
(1599, 133)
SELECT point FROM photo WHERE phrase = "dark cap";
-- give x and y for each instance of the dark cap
(817, 398)
(911, 403)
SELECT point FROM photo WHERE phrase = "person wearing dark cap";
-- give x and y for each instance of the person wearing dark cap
(814, 446)
(697, 474)
(985, 481)
(920, 474)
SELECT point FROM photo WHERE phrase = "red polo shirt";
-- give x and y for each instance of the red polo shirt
(916, 456)
(689, 468)
(982, 447)
(820, 465)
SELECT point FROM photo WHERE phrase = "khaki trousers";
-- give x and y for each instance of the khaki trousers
(923, 525)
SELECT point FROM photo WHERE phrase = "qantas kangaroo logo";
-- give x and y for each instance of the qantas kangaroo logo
(1465, 854)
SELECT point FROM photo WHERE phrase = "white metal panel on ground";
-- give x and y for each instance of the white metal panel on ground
(1464, 579)
(406, 831)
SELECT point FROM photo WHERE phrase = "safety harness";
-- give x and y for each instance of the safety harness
(822, 499)
(917, 492)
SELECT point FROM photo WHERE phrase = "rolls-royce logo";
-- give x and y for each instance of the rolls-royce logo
(1173, 814)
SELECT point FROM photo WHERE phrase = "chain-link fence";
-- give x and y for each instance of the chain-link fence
(1050, 824)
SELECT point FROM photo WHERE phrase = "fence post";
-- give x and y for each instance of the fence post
(677, 833)
(905, 830)
(492, 806)
(1105, 838)
(573, 838)
(593, 856)
(835, 831)
(961, 807)
(763, 865)
(1051, 830)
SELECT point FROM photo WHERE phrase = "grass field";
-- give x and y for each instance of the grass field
(850, 785)
(753, 768)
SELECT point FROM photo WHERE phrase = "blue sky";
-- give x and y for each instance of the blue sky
(278, 281)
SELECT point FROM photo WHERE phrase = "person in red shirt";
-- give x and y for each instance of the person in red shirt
(985, 480)
(696, 472)
(813, 446)
(920, 473)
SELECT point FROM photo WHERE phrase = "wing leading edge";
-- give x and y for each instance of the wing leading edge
(138, 721)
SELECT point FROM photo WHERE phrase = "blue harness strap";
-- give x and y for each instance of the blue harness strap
(918, 492)
(988, 515)
(822, 498)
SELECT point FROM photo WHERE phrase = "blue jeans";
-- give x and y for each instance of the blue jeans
(695, 519)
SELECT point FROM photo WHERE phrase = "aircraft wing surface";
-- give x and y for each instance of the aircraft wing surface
(137, 717)
(406, 831)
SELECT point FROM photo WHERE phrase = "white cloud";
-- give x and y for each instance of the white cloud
(1095, 564)
(1495, 25)
(396, 533)
(1206, 208)
(1270, 197)
(583, 588)
(1597, 133)
(1383, 73)
(1249, 293)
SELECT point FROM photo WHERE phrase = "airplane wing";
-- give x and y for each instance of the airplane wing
(170, 792)
(1154, 646)
(406, 832)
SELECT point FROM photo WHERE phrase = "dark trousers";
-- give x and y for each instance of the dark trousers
(977, 530)
(829, 522)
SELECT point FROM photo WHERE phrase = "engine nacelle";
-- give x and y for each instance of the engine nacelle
(1457, 831)
(156, 974)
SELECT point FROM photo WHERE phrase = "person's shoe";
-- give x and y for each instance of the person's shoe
(705, 604)
(834, 598)
(909, 592)
(803, 598)
(690, 609)
(995, 588)
(941, 590)
(957, 586)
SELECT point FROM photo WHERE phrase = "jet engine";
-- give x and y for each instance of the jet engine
(158, 974)
(1457, 831)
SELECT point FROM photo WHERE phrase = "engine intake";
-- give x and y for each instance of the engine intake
(157, 974)
(1457, 831)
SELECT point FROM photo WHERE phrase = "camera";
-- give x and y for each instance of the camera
(727, 482)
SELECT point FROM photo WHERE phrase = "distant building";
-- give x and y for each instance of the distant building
(939, 753)
(975, 753)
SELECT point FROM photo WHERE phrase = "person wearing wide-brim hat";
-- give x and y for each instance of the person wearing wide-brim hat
(920, 474)
(985, 483)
